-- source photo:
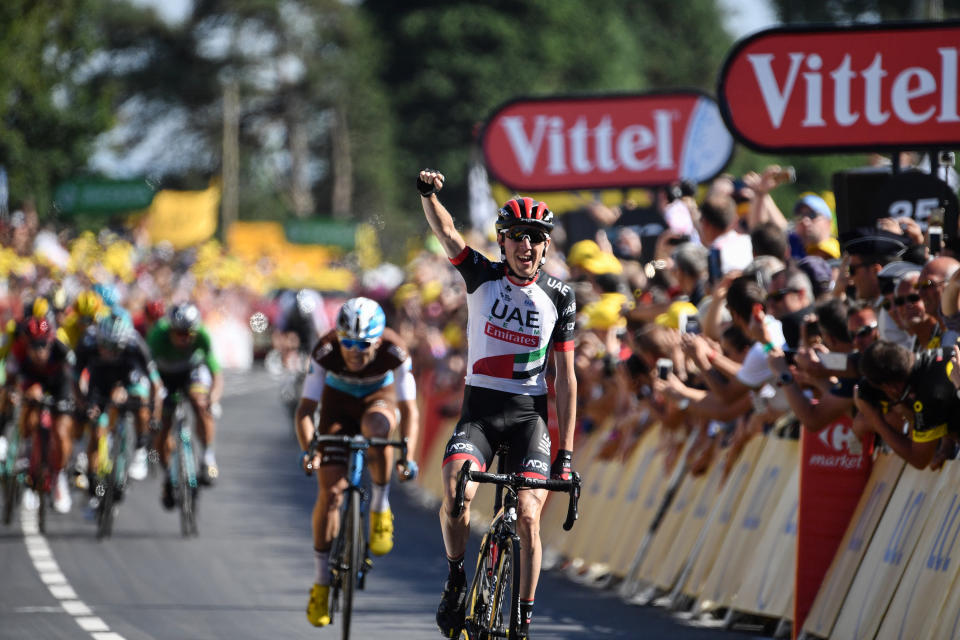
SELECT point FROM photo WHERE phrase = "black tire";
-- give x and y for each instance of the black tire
(185, 493)
(43, 497)
(11, 496)
(505, 607)
(477, 622)
(105, 510)
(353, 544)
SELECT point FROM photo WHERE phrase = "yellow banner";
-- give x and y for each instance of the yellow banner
(183, 218)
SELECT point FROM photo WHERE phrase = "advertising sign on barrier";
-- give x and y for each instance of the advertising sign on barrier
(669, 529)
(767, 584)
(887, 556)
(722, 515)
(595, 142)
(843, 568)
(933, 567)
(753, 516)
(685, 538)
(834, 468)
(840, 88)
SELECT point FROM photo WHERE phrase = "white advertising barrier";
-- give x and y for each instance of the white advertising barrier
(753, 516)
(768, 584)
(887, 556)
(721, 516)
(843, 569)
(681, 548)
(670, 533)
(642, 500)
(932, 568)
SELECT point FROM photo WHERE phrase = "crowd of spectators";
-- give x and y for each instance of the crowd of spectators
(733, 319)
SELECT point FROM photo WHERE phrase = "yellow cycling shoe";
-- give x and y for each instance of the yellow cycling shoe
(318, 608)
(381, 532)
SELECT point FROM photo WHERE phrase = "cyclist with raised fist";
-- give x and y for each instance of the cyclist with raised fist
(517, 315)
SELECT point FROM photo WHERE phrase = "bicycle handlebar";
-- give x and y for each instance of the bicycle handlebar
(357, 442)
(516, 481)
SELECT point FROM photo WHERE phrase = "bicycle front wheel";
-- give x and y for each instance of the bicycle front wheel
(477, 622)
(353, 545)
(505, 607)
(105, 509)
(185, 492)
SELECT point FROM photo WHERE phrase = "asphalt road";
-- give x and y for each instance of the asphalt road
(248, 573)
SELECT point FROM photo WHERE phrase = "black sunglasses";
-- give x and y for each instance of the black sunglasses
(913, 298)
(865, 330)
(519, 233)
(780, 294)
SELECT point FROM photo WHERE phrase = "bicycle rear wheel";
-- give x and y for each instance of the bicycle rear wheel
(105, 509)
(11, 496)
(353, 543)
(505, 606)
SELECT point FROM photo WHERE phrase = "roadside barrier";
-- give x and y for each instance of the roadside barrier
(726, 541)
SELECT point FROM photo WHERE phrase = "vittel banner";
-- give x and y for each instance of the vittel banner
(559, 143)
(844, 88)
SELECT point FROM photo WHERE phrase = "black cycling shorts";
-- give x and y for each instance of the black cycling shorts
(494, 418)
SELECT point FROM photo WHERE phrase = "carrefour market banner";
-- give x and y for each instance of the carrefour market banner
(878, 87)
(596, 142)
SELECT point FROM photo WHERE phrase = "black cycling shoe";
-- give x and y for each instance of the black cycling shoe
(209, 474)
(450, 613)
(166, 498)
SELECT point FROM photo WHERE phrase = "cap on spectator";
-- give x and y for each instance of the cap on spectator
(581, 251)
(828, 247)
(820, 273)
(877, 242)
(602, 263)
(896, 270)
(605, 313)
(815, 203)
(671, 317)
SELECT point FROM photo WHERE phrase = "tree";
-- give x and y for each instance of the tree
(52, 102)
(450, 64)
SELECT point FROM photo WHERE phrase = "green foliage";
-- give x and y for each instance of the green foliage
(827, 11)
(449, 65)
(51, 106)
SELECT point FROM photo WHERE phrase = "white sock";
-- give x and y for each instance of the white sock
(322, 562)
(208, 458)
(380, 497)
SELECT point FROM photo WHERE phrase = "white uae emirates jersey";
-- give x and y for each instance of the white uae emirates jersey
(512, 325)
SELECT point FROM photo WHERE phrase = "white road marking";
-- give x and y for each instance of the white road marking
(51, 575)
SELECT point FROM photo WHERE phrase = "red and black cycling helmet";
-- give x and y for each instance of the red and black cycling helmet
(524, 211)
(155, 309)
(39, 330)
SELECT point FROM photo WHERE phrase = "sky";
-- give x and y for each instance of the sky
(744, 17)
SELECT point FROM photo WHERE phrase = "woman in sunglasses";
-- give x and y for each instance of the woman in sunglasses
(360, 377)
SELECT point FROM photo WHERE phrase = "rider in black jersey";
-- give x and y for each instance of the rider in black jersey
(517, 315)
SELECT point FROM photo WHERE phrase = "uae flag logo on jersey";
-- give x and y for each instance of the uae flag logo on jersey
(516, 366)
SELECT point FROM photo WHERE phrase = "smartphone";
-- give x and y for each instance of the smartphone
(689, 324)
(678, 239)
(664, 367)
(935, 239)
(790, 356)
(786, 174)
(834, 361)
(714, 265)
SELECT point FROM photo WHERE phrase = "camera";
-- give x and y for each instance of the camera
(947, 158)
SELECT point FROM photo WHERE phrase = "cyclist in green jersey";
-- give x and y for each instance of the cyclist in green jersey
(182, 348)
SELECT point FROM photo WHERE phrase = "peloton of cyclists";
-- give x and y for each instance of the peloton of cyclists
(360, 377)
(517, 314)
